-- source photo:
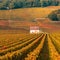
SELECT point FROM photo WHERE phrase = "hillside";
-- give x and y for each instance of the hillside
(26, 13)
(27, 17)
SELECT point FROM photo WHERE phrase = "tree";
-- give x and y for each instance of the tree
(55, 15)
(12, 4)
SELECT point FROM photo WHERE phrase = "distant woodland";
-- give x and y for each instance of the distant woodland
(13, 4)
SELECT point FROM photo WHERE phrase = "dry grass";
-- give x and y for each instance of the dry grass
(26, 13)
(23, 18)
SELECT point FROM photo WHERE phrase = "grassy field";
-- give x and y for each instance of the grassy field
(25, 17)
(43, 46)
(26, 13)
(15, 45)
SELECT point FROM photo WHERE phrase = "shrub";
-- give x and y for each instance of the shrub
(55, 15)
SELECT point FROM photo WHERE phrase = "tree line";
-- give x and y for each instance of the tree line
(13, 4)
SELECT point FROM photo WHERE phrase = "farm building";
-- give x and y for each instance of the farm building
(35, 29)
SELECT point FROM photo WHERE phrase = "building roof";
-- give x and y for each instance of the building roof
(34, 28)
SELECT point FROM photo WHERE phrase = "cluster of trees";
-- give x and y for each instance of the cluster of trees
(7, 4)
(55, 15)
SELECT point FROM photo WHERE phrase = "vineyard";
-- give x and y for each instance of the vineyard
(43, 46)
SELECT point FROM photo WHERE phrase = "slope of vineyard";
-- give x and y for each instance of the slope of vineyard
(43, 46)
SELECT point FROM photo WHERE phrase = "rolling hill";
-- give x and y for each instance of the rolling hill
(26, 13)
(27, 17)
